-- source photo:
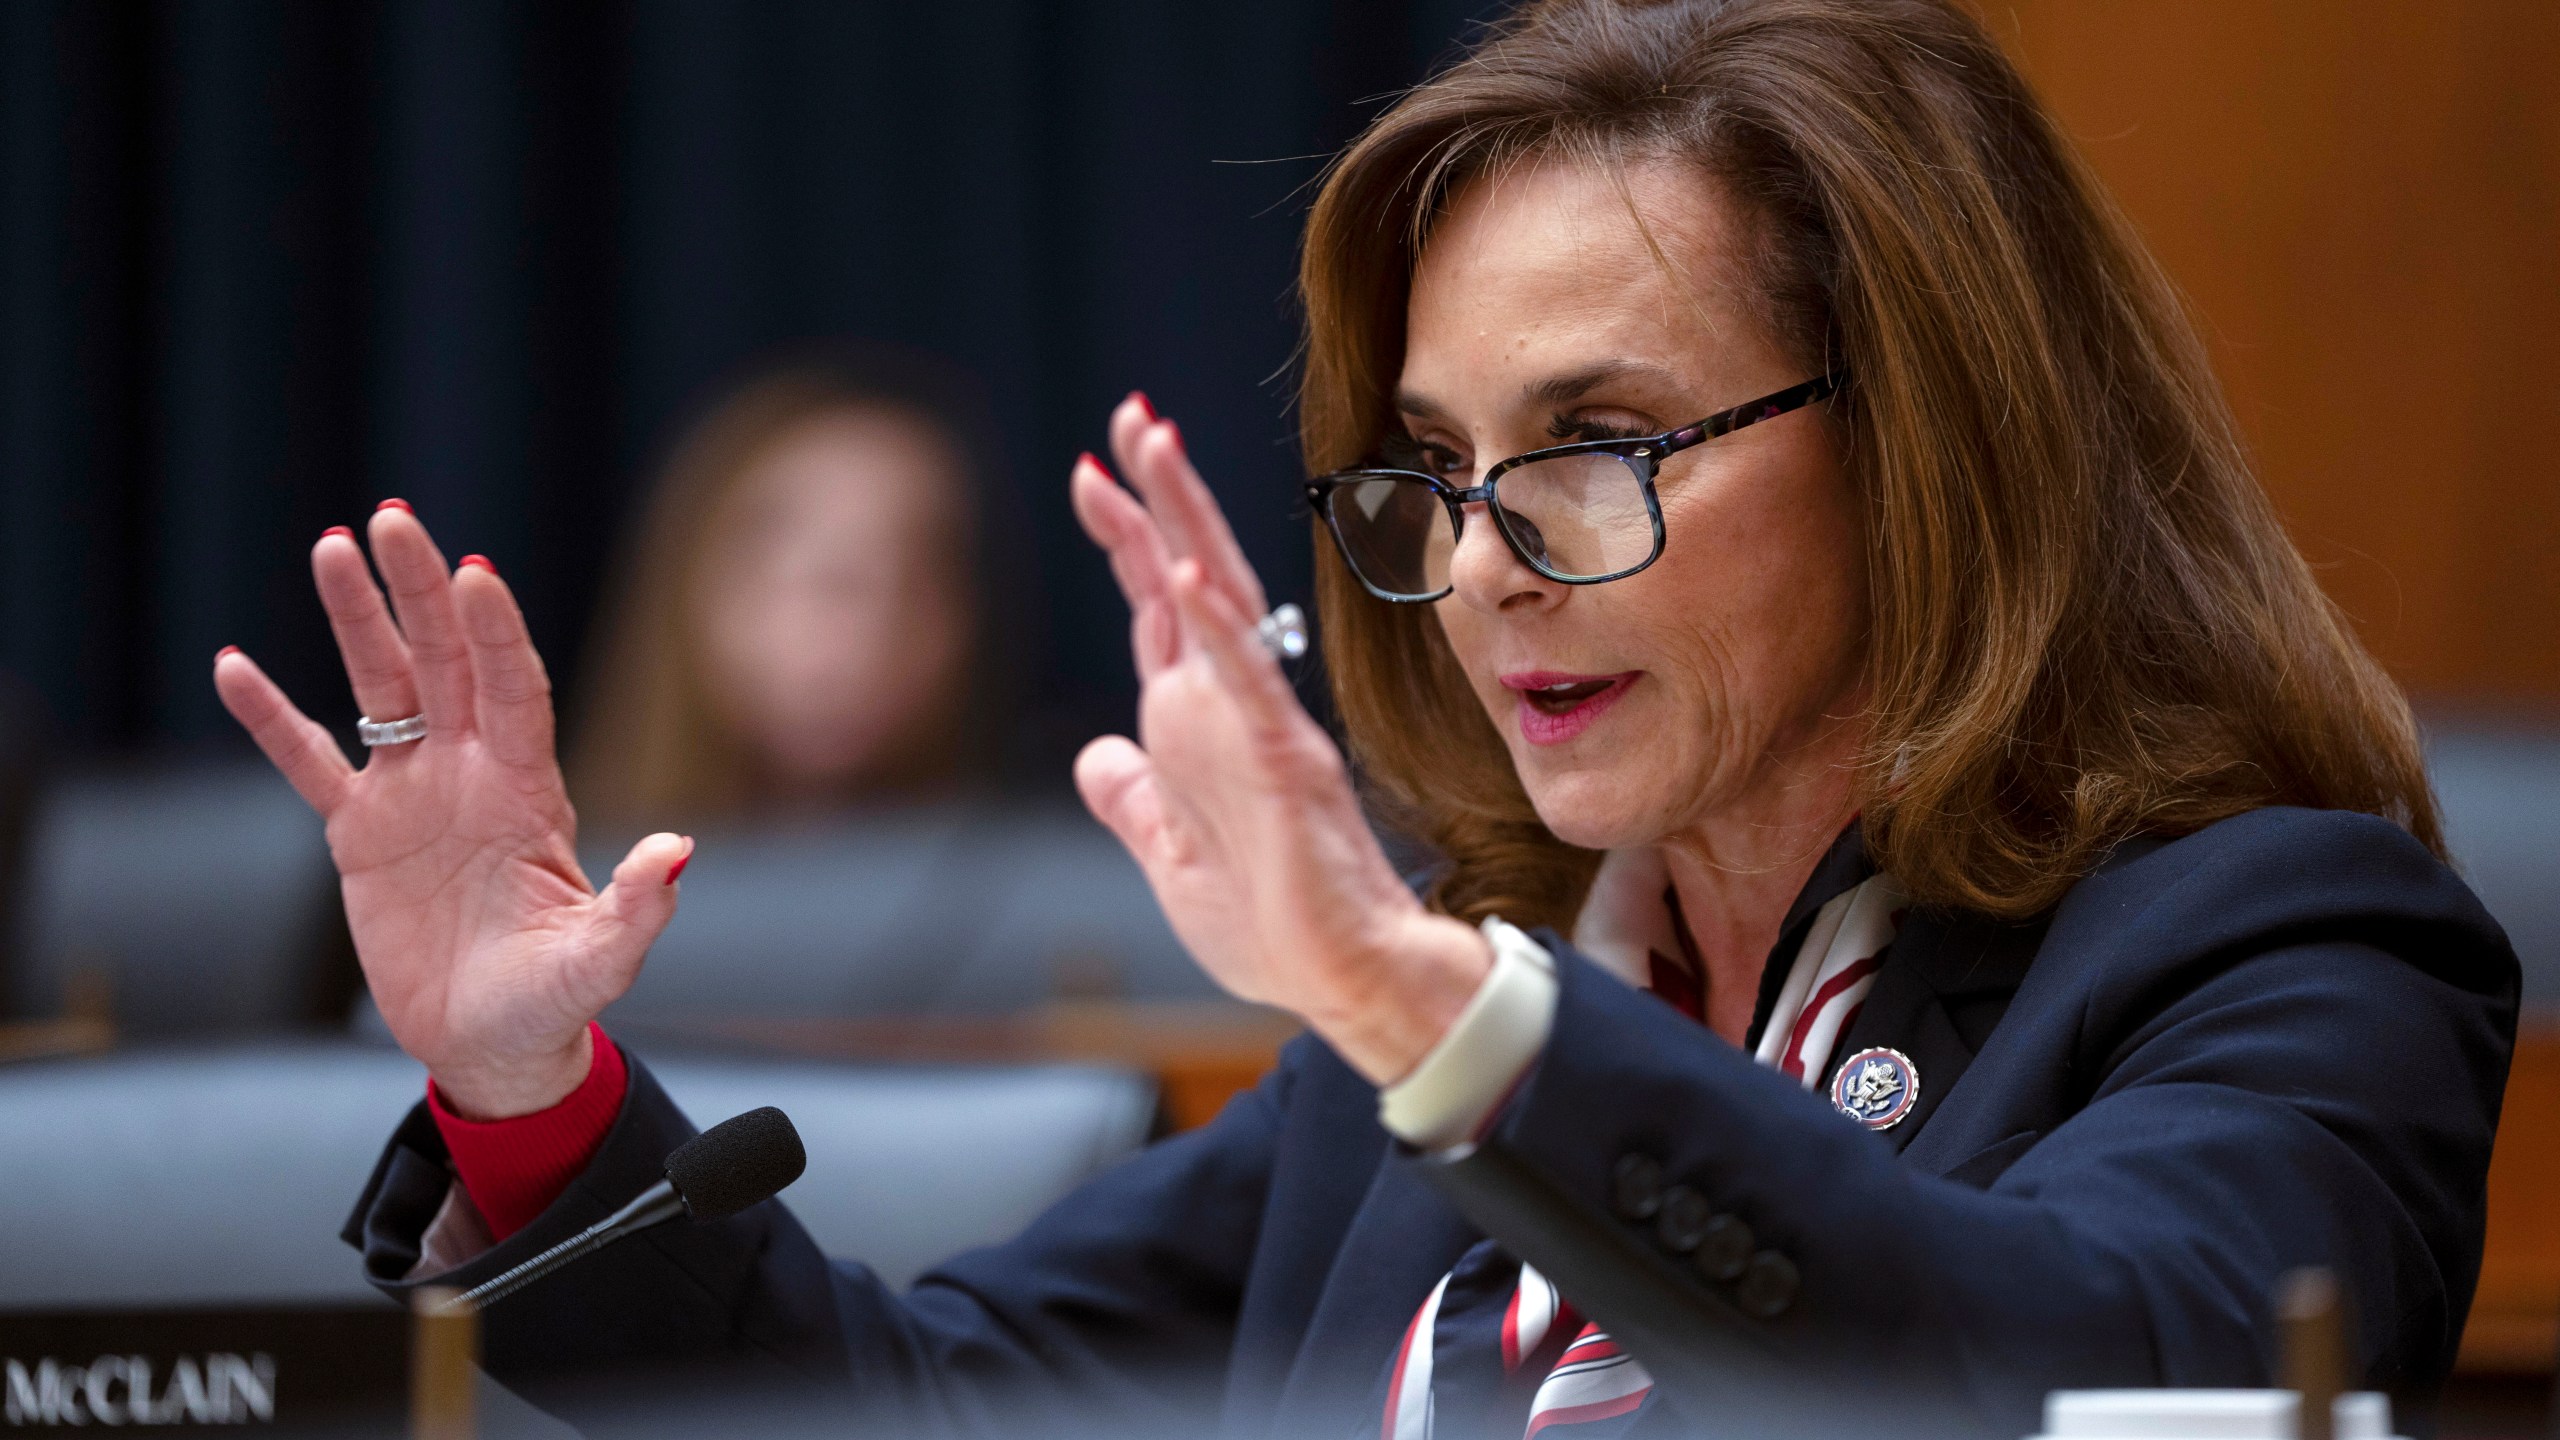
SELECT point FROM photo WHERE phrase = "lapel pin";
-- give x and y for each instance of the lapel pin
(1876, 1088)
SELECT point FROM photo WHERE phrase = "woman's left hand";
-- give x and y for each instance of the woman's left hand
(1235, 802)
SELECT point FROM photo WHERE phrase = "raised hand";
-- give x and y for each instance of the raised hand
(484, 945)
(1234, 801)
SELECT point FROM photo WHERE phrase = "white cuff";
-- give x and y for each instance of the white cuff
(1455, 1090)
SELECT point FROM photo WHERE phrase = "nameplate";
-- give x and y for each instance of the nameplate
(282, 1367)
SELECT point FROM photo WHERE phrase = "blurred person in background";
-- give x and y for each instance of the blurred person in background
(812, 652)
(798, 627)
(797, 654)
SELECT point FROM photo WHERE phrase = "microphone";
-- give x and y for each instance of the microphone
(723, 1170)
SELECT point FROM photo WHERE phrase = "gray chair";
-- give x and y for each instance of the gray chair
(204, 893)
(966, 908)
(222, 1176)
(2500, 789)
(939, 909)
(947, 908)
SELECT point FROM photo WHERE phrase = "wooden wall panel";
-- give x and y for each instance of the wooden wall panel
(2515, 1317)
(2362, 200)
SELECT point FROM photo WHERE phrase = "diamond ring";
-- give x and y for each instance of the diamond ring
(1283, 632)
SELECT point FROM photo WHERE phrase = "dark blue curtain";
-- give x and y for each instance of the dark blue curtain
(263, 263)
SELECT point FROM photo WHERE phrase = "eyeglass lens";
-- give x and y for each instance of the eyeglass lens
(1578, 516)
(1395, 532)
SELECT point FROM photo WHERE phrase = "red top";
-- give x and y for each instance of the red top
(514, 1169)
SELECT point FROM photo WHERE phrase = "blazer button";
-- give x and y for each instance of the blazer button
(1637, 1186)
(1768, 1286)
(1684, 1219)
(1724, 1249)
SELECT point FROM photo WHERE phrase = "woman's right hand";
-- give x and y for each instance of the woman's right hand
(485, 948)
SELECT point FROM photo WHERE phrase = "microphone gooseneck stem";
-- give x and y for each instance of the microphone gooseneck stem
(586, 1241)
(653, 1206)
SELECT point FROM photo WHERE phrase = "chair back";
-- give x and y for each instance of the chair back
(213, 1177)
(2500, 790)
(203, 895)
(946, 909)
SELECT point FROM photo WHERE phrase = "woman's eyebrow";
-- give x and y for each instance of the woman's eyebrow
(1572, 385)
(1562, 389)
(1421, 407)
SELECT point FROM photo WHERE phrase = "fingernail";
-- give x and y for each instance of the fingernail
(1144, 403)
(395, 503)
(480, 560)
(225, 651)
(681, 861)
(337, 530)
(1177, 437)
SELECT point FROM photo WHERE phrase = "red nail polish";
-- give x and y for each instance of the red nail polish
(1144, 403)
(681, 861)
(226, 650)
(337, 530)
(1177, 437)
(395, 504)
(480, 560)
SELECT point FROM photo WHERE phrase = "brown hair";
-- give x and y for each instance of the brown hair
(2087, 621)
(652, 749)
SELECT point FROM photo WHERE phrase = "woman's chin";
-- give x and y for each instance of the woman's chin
(1597, 811)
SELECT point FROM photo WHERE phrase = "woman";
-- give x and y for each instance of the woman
(1811, 564)
(796, 626)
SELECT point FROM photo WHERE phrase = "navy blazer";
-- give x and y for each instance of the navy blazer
(2280, 1041)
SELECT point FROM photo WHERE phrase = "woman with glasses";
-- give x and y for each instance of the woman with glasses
(1934, 899)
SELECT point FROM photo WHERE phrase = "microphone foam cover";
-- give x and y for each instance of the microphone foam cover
(734, 1164)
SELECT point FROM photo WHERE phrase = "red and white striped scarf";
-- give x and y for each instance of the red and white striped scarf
(1630, 925)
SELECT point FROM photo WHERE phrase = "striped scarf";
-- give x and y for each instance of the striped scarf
(1494, 1340)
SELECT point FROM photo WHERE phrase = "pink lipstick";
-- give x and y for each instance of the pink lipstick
(1555, 707)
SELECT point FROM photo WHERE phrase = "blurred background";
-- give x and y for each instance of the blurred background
(667, 307)
(2362, 200)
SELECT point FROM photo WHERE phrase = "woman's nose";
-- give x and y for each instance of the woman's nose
(1485, 574)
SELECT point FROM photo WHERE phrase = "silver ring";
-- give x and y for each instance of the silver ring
(391, 732)
(1283, 632)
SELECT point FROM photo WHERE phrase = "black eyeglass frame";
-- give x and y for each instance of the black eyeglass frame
(1643, 455)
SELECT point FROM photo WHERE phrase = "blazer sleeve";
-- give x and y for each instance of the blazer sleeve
(2283, 1046)
(1123, 1295)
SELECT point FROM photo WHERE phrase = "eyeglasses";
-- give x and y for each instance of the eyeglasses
(1578, 514)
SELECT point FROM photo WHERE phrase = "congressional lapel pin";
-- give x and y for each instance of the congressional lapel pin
(1876, 1088)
